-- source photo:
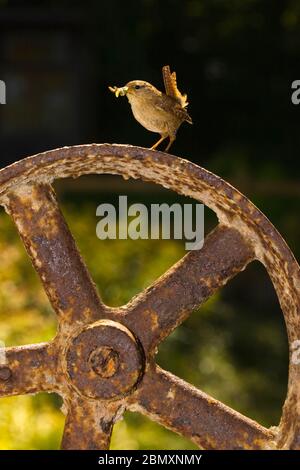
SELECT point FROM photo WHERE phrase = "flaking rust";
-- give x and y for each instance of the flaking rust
(102, 359)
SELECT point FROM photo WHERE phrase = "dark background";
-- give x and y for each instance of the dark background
(236, 60)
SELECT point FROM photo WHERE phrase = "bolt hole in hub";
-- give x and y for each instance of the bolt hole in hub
(104, 361)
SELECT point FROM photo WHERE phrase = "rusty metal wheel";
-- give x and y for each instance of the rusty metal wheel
(102, 359)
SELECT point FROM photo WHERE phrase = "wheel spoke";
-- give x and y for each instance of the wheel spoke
(28, 369)
(159, 309)
(182, 408)
(88, 424)
(53, 253)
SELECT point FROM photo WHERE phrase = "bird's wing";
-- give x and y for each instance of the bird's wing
(168, 105)
(171, 86)
(183, 114)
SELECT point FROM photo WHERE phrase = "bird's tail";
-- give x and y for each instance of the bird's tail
(170, 83)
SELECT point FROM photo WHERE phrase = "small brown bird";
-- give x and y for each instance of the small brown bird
(156, 111)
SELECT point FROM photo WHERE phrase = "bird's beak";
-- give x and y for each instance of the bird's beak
(119, 91)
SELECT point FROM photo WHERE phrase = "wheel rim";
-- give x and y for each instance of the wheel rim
(243, 235)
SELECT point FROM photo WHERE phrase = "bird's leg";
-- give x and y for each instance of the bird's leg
(163, 137)
(172, 138)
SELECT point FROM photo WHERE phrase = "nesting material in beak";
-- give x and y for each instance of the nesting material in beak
(118, 91)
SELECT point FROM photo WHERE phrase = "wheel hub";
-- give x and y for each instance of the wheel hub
(104, 360)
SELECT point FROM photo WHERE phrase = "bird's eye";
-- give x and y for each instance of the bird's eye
(137, 87)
